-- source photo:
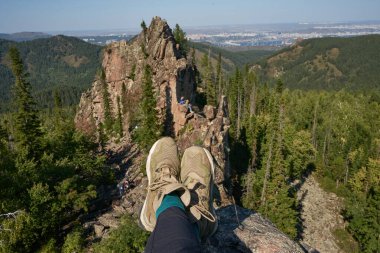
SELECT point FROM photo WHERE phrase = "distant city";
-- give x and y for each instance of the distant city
(262, 35)
(278, 35)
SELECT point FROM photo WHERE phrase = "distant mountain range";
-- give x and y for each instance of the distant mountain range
(326, 63)
(24, 36)
(69, 64)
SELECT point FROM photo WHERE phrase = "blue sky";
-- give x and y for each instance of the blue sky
(64, 15)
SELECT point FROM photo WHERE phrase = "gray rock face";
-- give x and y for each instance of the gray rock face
(253, 234)
(321, 215)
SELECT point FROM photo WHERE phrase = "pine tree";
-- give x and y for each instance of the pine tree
(119, 123)
(124, 104)
(108, 120)
(219, 76)
(57, 99)
(193, 55)
(143, 26)
(148, 127)
(180, 38)
(27, 123)
(132, 76)
(57, 107)
(208, 80)
(235, 93)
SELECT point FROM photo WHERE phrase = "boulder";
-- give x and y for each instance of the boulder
(99, 230)
(209, 112)
(242, 230)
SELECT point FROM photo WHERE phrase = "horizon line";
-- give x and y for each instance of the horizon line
(126, 29)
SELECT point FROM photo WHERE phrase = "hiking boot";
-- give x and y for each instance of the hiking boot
(162, 169)
(197, 174)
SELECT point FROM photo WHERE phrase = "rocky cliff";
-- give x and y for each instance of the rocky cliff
(123, 65)
(321, 215)
(240, 230)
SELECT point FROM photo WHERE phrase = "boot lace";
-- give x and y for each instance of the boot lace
(195, 188)
(165, 177)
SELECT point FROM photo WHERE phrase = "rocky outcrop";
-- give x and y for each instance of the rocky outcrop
(320, 214)
(239, 230)
(242, 230)
(173, 77)
(123, 65)
(210, 130)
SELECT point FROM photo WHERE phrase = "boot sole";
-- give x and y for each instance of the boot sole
(143, 221)
(211, 160)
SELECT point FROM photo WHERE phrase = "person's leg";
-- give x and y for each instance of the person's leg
(163, 211)
(162, 169)
(174, 232)
(197, 174)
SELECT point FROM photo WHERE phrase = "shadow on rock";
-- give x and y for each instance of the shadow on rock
(243, 230)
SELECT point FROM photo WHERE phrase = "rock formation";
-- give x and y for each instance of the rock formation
(123, 64)
(210, 130)
(173, 77)
(321, 216)
(242, 230)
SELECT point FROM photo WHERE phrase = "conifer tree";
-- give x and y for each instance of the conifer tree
(57, 99)
(119, 123)
(57, 107)
(148, 129)
(180, 38)
(208, 81)
(27, 123)
(108, 121)
(123, 98)
(143, 26)
(219, 77)
(193, 55)
(133, 72)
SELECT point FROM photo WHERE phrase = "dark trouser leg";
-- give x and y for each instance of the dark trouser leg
(173, 233)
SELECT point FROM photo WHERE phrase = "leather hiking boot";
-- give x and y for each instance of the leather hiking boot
(197, 174)
(162, 169)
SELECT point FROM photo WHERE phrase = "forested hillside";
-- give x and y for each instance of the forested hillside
(23, 36)
(326, 63)
(280, 135)
(50, 173)
(230, 59)
(60, 63)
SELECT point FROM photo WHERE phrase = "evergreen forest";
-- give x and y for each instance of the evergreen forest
(281, 132)
(280, 136)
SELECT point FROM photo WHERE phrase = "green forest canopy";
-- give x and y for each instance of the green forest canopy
(327, 63)
(61, 63)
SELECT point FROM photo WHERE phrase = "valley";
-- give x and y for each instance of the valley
(293, 128)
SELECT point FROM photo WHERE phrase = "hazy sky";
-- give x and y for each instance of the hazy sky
(63, 15)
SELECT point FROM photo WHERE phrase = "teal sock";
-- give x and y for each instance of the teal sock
(170, 200)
